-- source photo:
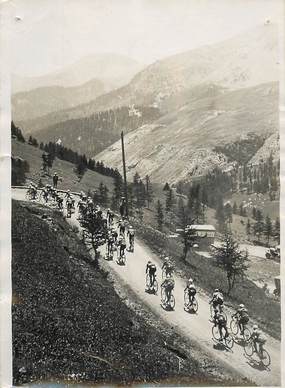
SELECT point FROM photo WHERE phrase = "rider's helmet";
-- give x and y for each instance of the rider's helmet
(149, 262)
(255, 327)
(241, 306)
(216, 290)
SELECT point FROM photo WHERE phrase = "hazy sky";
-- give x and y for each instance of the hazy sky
(53, 33)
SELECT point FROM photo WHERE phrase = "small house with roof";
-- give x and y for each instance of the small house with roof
(205, 235)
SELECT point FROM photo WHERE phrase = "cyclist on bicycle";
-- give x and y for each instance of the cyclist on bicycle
(32, 191)
(69, 204)
(122, 227)
(217, 299)
(122, 244)
(131, 235)
(151, 271)
(221, 322)
(242, 317)
(258, 338)
(168, 267)
(168, 284)
(59, 201)
(190, 287)
(45, 194)
(114, 234)
(110, 243)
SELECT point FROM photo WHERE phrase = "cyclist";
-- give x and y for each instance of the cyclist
(68, 194)
(258, 338)
(114, 234)
(69, 205)
(32, 191)
(151, 271)
(242, 317)
(168, 284)
(110, 244)
(221, 322)
(110, 217)
(122, 244)
(131, 235)
(168, 267)
(59, 201)
(217, 299)
(122, 227)
(45, 194)
(190, 287)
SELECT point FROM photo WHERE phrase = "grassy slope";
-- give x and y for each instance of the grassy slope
(65, 170)
(66, 313)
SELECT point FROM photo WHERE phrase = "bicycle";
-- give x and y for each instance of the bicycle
(264, 356)
(190, 306)
(154, 287)
(165, 304)
(235, 329)
(121, 259)
(228, 340)
(31, 195)
(109, 253)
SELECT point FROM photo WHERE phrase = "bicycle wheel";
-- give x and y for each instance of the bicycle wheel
(234, 326)
(186, 299)
(163, 273)
(211, 310)
(172, 302)
(229, 341)
(265, 359)
(194, 305)
(246, 334)
(163, 295)
(155, 286)
(215, 332)
(248, 349)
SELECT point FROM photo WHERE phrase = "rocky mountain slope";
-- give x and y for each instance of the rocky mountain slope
(243, 61)
(180, 144)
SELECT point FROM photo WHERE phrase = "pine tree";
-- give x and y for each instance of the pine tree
(268, 228)
(259, 224)
(169, 202)
(220, 215)
(166, 187)
(149, 191)
(228, 213)
(232, 260)
(248, 228)
(159, 214)
(277, 230)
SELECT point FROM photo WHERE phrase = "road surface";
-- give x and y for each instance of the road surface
(195, 327)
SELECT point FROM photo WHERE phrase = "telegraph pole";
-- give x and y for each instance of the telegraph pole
(125, 175)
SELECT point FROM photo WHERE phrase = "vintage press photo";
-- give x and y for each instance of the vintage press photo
(145, 192)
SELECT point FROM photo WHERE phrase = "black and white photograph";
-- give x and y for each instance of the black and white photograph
(145, 193)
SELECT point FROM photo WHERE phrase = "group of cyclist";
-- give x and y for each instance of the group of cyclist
(121, 232)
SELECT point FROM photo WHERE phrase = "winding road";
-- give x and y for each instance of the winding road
(195, 327)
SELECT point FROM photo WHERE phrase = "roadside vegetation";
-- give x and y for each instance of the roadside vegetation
(68, 322)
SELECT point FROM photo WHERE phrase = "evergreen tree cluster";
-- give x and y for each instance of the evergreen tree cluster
(17, 133)
(81, 162)
(32, 141)
(263, 227)
(19, 169)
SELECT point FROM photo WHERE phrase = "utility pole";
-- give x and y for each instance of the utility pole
(125, 174)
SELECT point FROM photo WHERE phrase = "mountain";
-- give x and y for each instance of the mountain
(181, 144)
(243, 61)
(90, 135)
(41, 101)
(113, 70)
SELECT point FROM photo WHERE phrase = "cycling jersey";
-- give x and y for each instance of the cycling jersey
(168, 283)
(150, 268)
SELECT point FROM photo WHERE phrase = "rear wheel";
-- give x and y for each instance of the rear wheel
(234, 326)
(215, 332)
(229, 341)
(248, 349)
(246, 334)
(155, 286)
(186, 299)
(194, 305)
(163, 295)
(172, 302)
(265, 359)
